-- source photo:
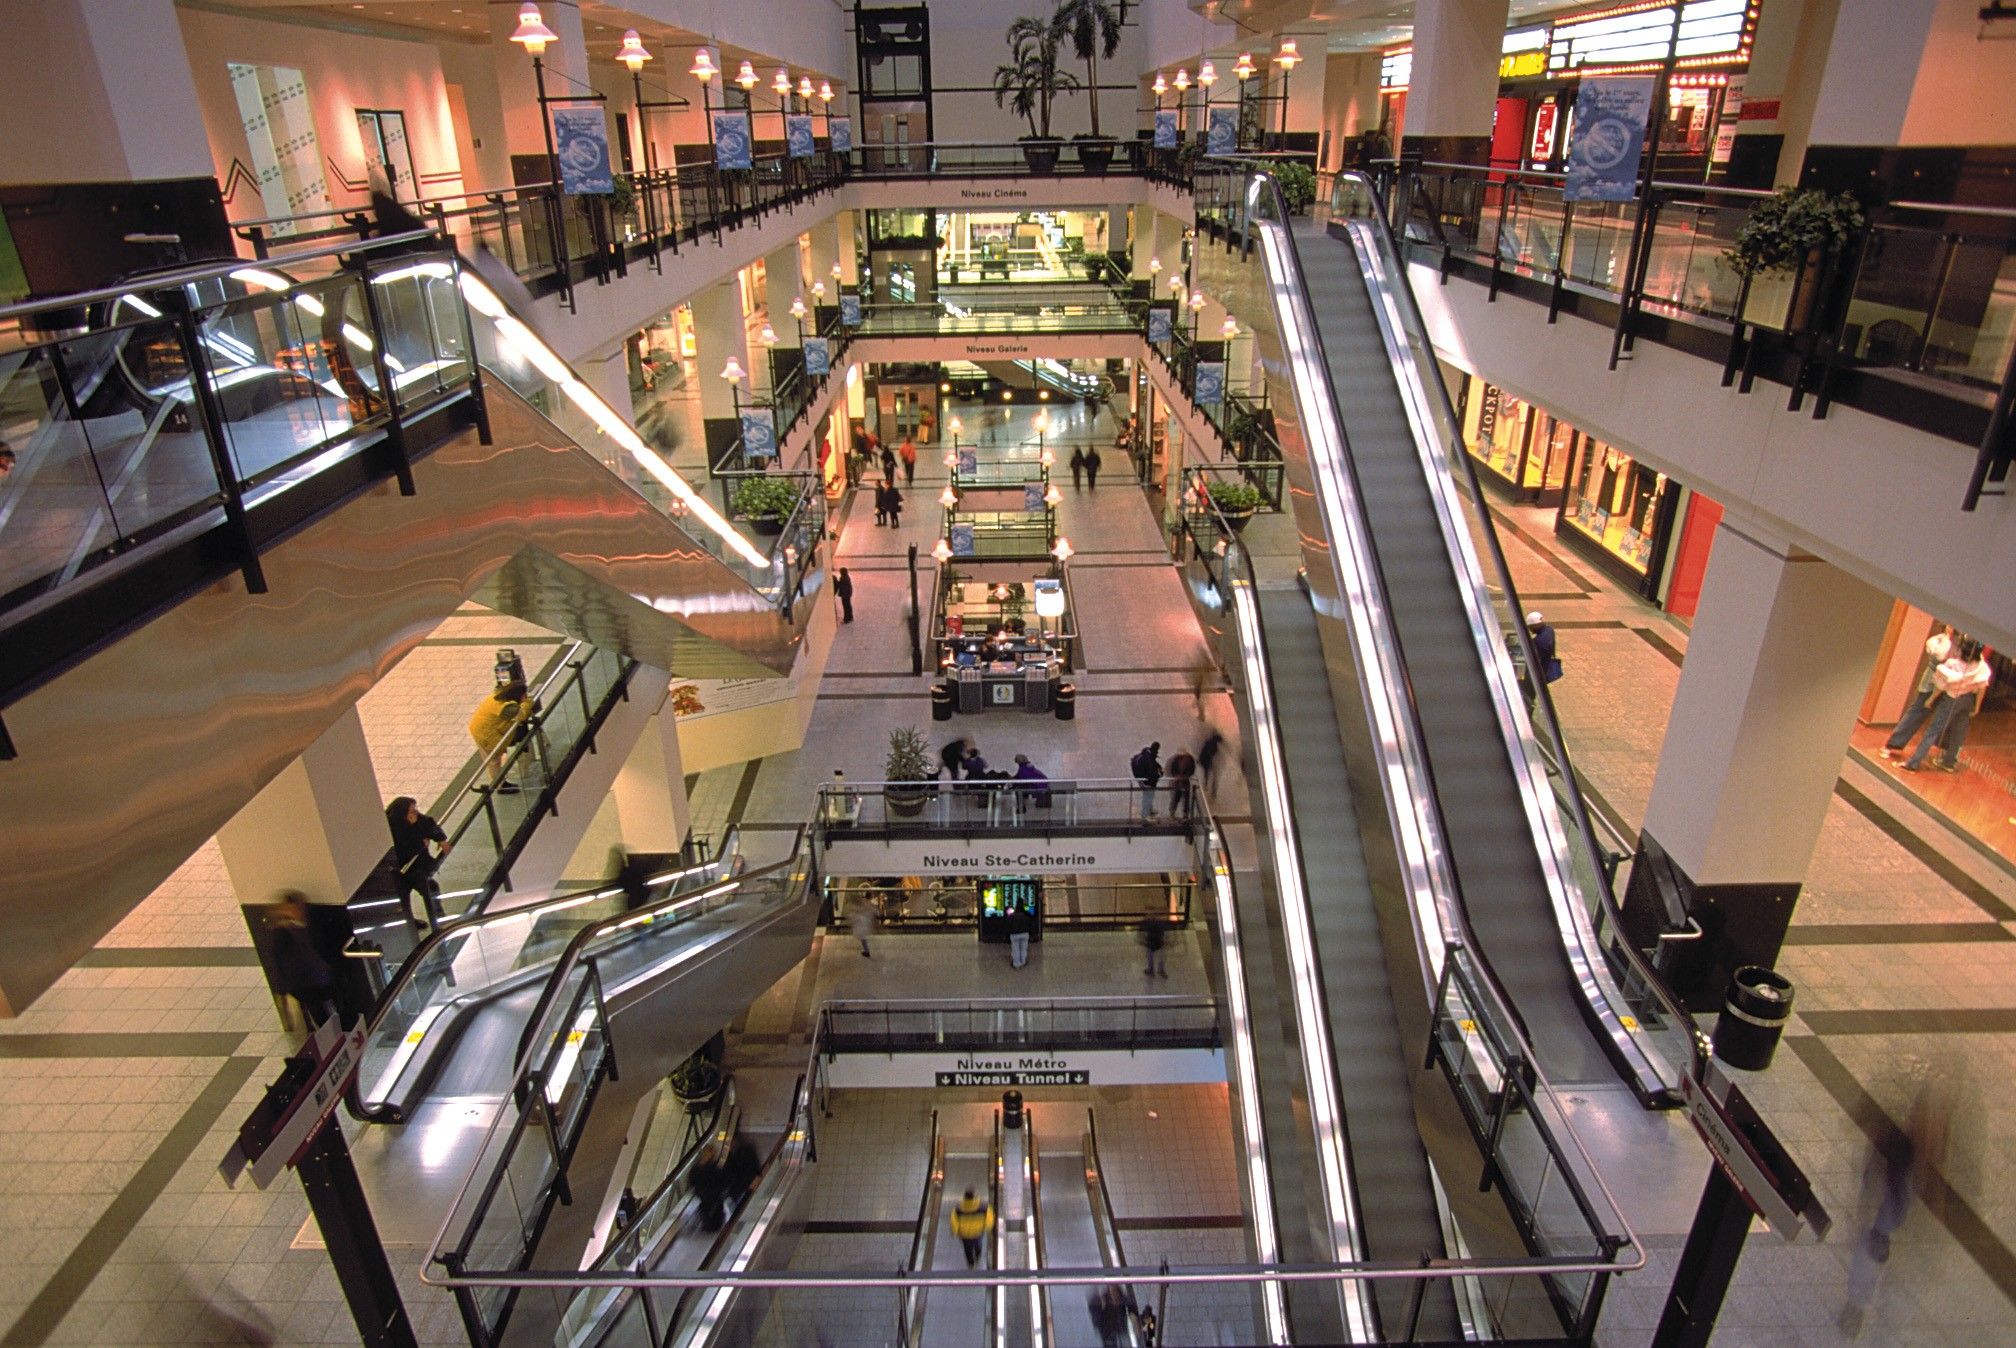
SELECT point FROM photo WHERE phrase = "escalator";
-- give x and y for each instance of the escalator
(1078, 1231)
(957, 1317)
(187, 688)
(1510, 862)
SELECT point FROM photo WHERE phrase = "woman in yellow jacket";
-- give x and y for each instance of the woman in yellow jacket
(492, 727)
(970, 1220)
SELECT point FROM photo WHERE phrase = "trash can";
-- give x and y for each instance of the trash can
(1753, 1017)
(1011, 1109)
(1067, 701)
(941, 701)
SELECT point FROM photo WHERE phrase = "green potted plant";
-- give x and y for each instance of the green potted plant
(696, 1081)
(906, 773)
(765, 501)
(1236, 499)
(1093, 29)
(1298, 186)
(1029, 84)
(1794, 231)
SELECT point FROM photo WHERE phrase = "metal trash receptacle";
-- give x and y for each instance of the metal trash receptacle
(1754, 1014)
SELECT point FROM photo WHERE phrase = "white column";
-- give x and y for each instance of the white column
(1143, 243)
(717, 334)
(652, 811)
(317, 829)
(100, 91)
(1454, 88)
(566, 63)
(1777, 664)
(781, 270)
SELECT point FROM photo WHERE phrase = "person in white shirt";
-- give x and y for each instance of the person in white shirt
(1958, 682)
(1923, 698)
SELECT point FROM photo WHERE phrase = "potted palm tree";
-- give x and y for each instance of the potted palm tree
(906, 773)
(1093, 29)
(1029, 84)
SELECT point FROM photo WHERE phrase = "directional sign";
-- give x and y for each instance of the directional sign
(1753, 1158)
(272, 1142)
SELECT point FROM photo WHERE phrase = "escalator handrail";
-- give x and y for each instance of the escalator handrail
(525, 1064)
(925, 1241)
(1500, 1002)
(409, 970)
(1551, 726)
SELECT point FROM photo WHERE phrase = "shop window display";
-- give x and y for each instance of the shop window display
(1526, 447)
(1614, 500)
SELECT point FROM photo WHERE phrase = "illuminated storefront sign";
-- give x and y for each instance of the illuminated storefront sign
(1713, 33)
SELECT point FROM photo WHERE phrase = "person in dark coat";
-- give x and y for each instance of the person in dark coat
(1154, 934)
(895, 506)
(415, 836)
(1182, 767)
(1077, 467)
(843, 590)
(1207, 761)
(952, 755)
(298, 968)
(1092, 467)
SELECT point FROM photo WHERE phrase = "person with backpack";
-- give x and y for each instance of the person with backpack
(1147, 769)
(1542, 634)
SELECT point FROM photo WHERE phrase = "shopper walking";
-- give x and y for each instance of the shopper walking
(970, 1219)
(908, 453)
(1182, 768)
(1092, 467)
(895, 506)
(415, 836)
(1208, 754)
(298, 969)
(1147, 769)
(1904, 1164)
(1541, 633)
(1108, 1308)
(1021, 924)
(889, 465)
(1924, 698)
(1077, 467)
(862, 923)
(496, 724)
(881, 504)
(1958, 679)
(1154, 935)
(843, 590)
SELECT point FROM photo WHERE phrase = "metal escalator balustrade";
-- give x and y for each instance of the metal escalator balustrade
(1642, 1022)
(475, 957)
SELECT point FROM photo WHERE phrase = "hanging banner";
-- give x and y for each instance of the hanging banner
(798, 134)
(1160, 325)
(969, 462)
(962, 540)
(1032, 496)
(1606, 138)
(840, 131)
(1165, 128)
(759, 434)
(850, 310)
(1223, 135)
(581, 144)
(818, 356)
(731, 140)
(1210, 383)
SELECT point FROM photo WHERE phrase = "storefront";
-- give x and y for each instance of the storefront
(1521, 447)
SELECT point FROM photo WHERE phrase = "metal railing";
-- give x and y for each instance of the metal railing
(1926, 293)
(1086, 804)
(180, 402)
(1245, 425)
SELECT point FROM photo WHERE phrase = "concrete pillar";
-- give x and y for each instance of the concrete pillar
(1146, 239)
(1907, 73)
(1454, 88)
(566, 63)
(652, 811)
(1786, 69)
(1776, 668)
(98, 91)
(782, 271)
(317, 829)
(718, 334)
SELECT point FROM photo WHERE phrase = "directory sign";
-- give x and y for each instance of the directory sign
(1606, 139)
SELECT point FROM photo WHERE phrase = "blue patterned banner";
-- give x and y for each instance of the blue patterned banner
(1210, 383)
(759, 434)
(850, 310)
(969, 463)
(1160, 325)
(962, 540)
(840, 130)
(1223, 137)
(1165, 128)
(731, 140)
(818, 356)
(798, 134)
(1032, 496)
(581, 144)
(1608, 139)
